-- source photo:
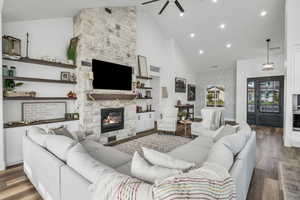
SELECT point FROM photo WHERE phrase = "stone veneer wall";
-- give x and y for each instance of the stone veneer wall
(112, 38)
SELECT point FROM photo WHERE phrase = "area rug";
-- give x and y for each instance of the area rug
(159, 142)
(289, 175)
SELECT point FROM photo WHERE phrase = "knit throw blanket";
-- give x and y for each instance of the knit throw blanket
(210, 182)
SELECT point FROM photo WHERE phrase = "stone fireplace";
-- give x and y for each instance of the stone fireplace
(112, 119)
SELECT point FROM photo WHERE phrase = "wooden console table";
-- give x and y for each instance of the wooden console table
(189, 108)
(184, 128)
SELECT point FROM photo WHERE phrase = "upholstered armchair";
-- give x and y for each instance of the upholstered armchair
(167, 123)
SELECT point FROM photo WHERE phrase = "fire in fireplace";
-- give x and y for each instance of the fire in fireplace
(112, 119)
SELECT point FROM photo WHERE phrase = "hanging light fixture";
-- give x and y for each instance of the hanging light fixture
(269, 65)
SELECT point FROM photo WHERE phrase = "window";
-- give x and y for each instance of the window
(215, 96)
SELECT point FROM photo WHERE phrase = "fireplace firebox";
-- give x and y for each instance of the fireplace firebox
(112, 119)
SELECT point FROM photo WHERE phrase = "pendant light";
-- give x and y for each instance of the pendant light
(269, 65)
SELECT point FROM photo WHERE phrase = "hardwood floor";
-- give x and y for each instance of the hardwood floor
(15, 186)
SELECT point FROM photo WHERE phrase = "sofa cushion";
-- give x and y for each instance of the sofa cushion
(88, 167)
(60, 131)
(237, 141)
(141, 169)
(165, 160)
(59, 145)
(106, 155)
(38, 135)
(195, 151)
(221, 155)
(226, 130)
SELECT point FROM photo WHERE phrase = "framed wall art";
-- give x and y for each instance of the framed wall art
(191, 96)
(180, 85)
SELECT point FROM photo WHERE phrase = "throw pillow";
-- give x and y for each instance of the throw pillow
(38, 135)
(80, 160)
(226, 130)
(164, 160)
(221, 155)
(146, 172)
(59, 145)
(61, 131)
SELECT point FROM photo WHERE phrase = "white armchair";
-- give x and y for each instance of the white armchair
(168, 124)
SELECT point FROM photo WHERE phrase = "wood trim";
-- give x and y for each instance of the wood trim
(141, 98)
(38, 98)
(43, 62)
(39, 80)
(144, 77)
(98, 97)
(39, 123)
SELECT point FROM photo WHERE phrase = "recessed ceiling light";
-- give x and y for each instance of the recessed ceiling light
(201, 52)
(228, 45)
(222, 26)
(263, 13)
(181, 14)
(192, 35)
(214, 1)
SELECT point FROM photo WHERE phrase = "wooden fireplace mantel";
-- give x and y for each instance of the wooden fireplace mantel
(103, 97)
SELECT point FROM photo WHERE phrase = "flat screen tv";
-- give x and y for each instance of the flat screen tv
(111, 76)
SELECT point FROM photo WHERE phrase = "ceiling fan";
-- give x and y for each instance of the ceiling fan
(165, 5)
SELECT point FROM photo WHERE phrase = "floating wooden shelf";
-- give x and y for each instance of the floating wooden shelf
(144, 77)
(141, 98)
(43, 62)
(38, 98)
(184, 106)
(144, 88)
(103, 97)
(39, 80)
(145, 111)
(37, 123)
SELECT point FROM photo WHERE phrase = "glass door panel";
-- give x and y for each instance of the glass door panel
(251, 96)
(269, 96)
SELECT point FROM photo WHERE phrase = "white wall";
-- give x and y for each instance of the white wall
(292, 39)
(250, 69)
(48, 37)
(2, 158)
(221, 77)
(163, 52)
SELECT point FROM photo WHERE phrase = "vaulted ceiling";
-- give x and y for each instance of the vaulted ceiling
(245, 28)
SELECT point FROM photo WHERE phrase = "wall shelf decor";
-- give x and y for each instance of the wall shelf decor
(144, 88)
(144, 77)
(146, 111)
(42, 62)
(39, 80)
(37, 98)
(14, 125)
(95, 96)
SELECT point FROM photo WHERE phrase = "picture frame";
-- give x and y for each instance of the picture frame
(143, 67)
(65, 76)
(180, 85)
(191, 96)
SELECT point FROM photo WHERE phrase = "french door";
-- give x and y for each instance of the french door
(265, 97)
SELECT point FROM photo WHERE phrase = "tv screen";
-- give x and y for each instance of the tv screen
(111, 76)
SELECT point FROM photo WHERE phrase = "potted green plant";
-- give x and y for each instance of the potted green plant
(71, 54)
(182, 115)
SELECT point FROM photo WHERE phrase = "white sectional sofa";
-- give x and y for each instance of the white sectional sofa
(54, 179)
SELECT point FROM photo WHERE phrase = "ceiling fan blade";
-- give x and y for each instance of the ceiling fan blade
(179, 6)
(145, 3)
(162, 10)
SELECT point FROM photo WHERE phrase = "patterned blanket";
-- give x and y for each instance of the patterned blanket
(210, 182)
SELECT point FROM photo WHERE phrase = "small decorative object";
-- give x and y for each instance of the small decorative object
(148, 94)
(76, 116)
(178, 102)
(11, 47)
(4, 70)
(27, 45)
(69, 116)
(138, 109)
(72, 95)
(180, 85)
(12, 72)
(17, 94)
(32, 94)
(65, 76)
(164, 92)
(73, 77)
(143, 67)
(191, 92)
(71, 52)
(10, 85)
(142, 85)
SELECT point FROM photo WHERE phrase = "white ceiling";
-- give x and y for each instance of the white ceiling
(245, 29)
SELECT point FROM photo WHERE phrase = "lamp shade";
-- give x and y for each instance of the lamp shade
(164, 92)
